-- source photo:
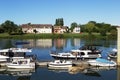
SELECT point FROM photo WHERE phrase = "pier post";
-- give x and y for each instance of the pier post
(118, 46)
(118, 73)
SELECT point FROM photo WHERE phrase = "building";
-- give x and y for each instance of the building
(36, 28)
(76, 30)
(60, 29)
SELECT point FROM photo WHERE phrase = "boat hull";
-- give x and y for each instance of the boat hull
(96, 63)
(60, 64)
(74, 57)
(21, 66)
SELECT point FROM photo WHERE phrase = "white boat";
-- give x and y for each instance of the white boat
(21, 64)
(113, 53)
(58, 64)
(76, 54)
(3, 58)
(102, 62)
(13, 53)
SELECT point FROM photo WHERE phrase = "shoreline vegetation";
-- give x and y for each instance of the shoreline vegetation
(65, 35)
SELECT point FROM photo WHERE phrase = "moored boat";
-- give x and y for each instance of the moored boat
(113, 53)
(58, 64)
(21, 64)
(102, 62)
(13, 53)
(3, 58)
(76, 54)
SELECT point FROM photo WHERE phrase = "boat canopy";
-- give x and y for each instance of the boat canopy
(104, 60)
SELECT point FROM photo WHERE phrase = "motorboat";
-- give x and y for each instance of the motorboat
(102, 62)
(21, 64)
(3, 58)
(113, 53)
(13, 53)
(76, 54)
(59, 64)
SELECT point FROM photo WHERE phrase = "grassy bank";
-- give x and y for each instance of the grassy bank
(65, 35)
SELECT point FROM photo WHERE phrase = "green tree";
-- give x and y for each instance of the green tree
(89, 27)
(9, 26)
(59, 22)
(73, 25)
(19, 31)
(113, 32)
(104, 29)
(1, 30)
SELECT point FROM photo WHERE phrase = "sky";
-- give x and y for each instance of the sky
(47, 11)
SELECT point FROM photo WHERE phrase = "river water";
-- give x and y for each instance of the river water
(42, 47)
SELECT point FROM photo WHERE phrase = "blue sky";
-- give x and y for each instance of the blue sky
(46, 11)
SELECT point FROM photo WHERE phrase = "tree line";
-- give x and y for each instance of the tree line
(11, 28)
(94, 27)
(91, 27)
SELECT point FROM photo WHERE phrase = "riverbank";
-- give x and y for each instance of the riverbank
(65, 35)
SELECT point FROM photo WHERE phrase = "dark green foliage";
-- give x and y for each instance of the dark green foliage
(59, 22)
(1, 30)
(113, 32)
(9, 27)
(73, 25)
(90, 26)
(103, 32)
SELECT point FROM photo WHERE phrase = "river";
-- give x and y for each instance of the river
(42, 47)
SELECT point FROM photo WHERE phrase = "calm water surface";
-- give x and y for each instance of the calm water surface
(42, 48)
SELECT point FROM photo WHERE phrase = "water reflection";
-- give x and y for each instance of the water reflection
(39, 43)
(41, 48)
(16, 72)
(60, 74)
(48, 43)
(6, 43)
(57, 43)
(118, 73)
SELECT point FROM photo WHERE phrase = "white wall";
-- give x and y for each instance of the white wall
(118, 46)
(76, 30)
